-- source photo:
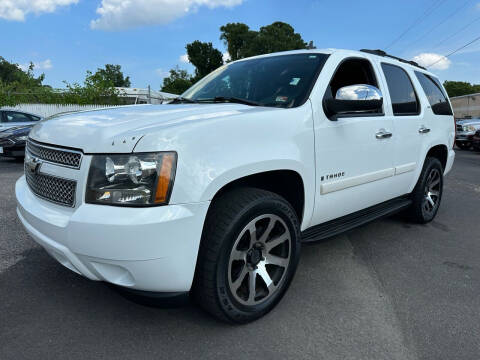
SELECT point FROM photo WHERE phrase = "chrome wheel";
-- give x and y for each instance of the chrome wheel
(432, 192)
(259, 259)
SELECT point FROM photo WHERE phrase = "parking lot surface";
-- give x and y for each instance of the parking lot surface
(388, 290)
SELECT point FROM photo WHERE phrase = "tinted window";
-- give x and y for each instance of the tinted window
(402, 92)
(436, 97)
(279, 81)
(13, 117)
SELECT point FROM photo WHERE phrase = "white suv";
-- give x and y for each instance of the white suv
(214, 193)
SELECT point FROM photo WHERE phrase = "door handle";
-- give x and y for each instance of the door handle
(383, 134)
(423, 130)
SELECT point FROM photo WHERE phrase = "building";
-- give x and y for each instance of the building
(466, 106)
(144, 96)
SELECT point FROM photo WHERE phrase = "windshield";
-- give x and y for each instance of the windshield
(277, 81)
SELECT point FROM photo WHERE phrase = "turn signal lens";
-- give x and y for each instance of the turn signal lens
(165, 178)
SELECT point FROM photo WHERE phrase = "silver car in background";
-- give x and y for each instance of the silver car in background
(13, 118)
(466, 129)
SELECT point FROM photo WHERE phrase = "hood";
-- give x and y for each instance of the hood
(16, 131)
(469, 122)
(118, 130)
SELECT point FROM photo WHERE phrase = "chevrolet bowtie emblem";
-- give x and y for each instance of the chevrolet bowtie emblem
(32, 164)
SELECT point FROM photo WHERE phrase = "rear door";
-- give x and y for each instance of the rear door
(354, 166)
(405, 110)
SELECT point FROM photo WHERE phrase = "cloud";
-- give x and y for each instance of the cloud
(124, 14)
(161, 73)
(16, 10)
(433, 61)
(184, 59)
(42, 65)
(226, 57)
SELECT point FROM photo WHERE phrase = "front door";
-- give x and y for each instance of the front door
(354, 153)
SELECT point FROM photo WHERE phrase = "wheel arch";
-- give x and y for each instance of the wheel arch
(286, 183)
(440, 152)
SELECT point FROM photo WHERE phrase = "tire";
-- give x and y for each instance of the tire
(464, 145)
(229, 257)
(427, 194)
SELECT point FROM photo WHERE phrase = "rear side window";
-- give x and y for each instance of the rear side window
(436, 97)
(402, 93)
(13, 117)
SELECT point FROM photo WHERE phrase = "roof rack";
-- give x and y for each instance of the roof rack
(383, 53)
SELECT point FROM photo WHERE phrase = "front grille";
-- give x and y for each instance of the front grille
(52, 188)
(459, 128)
(6, 142)
(63, 157)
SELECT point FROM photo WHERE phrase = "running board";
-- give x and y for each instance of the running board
(351, 221)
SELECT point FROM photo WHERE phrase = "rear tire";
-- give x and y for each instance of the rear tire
(248, 255)
(427, 194)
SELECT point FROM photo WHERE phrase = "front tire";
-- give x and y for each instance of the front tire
(248, 255)
(427, 194)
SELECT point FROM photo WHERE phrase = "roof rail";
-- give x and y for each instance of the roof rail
(384, 54)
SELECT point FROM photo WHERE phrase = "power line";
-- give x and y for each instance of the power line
(456, 33)
(441, 22)
(427, 12)
(455, 51)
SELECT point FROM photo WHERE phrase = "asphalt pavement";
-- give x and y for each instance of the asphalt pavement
(388, 290)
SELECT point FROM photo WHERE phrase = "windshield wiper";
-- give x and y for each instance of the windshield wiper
(228, 99)
(180, 99)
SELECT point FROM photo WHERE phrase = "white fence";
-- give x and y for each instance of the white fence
(53, 109)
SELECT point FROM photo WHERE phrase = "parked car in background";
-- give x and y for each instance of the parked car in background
(466, 129)
(476, 141)
(12, 118)
(13, 141)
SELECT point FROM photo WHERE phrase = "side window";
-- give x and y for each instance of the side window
(34, 118)
(352, 71)
(436, 97)
(402, 93)
(13, 117)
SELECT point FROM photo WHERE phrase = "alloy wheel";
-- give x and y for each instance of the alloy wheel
(432, 191)
(259, 260)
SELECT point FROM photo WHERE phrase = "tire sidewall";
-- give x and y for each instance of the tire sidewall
(431, 163)
(233, 309)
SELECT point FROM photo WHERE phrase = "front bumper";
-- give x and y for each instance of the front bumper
(12, 150)
(464, 136)
(151, 249)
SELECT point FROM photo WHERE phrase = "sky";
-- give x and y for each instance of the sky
(65, 38)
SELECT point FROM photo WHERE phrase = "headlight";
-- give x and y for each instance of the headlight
(21, 138)
(133, 180)
(469, 128)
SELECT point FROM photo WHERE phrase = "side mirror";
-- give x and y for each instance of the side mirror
(354, 100)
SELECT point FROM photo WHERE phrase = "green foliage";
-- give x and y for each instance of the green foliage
(459, 88)
(18, 86)
(18, 79)
(242, 42)
(177, 82)
(112, 74)
(204, 57)
(237, 37)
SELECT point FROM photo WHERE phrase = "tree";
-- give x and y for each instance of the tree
(178, 81)
(18, 79)
(113, 74)
(459, 88)
(242, 42)
(204, 57)
(237, 38)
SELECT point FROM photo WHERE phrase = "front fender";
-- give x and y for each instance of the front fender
(213, 153)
